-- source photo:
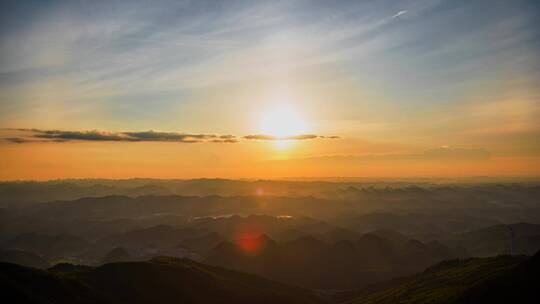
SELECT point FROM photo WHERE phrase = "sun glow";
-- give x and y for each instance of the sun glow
(283, 121)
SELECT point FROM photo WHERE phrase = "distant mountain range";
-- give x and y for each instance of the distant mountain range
(72, 189)
(310, 262)
(303, 252)
(348, 240)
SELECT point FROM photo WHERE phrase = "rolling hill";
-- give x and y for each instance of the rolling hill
(161, 280)
(309, 262)
(502, 279)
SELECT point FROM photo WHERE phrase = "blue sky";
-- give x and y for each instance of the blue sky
(136, 52)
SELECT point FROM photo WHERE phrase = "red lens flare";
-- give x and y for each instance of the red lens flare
(247, 235)
(250, 245)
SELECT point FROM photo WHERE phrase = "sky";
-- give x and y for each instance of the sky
(269, 89)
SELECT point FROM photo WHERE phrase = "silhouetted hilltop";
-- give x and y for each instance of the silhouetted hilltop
(161, 280)
(520, 285)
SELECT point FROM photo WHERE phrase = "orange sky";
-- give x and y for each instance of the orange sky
(269, 89)
(244, 160)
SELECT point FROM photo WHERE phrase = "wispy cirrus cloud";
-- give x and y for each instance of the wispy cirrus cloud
(399, 14)
(22, 135)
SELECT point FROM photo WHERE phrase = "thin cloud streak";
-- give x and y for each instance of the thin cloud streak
(399, 14)
(293, 137)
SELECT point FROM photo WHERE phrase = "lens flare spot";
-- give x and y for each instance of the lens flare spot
(248, 234)
(250, 244)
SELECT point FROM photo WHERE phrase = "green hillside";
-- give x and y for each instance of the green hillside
(446, 282)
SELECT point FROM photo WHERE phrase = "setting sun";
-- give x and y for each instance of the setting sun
(283, 121)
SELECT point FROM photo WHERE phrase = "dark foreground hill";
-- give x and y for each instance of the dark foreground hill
(517, 286)
(161, 280)
(502, 279)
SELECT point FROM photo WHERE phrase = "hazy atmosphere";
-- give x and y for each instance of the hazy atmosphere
(299, 151)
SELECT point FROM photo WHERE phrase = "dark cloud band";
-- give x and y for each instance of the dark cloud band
(39, 135)
(36, 135)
